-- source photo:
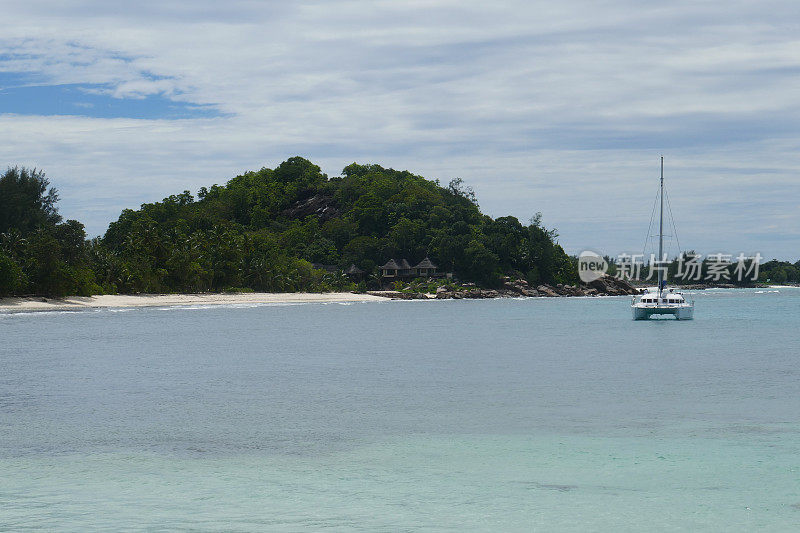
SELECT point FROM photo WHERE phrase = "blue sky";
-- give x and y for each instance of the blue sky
(562, 108)
(21, 95)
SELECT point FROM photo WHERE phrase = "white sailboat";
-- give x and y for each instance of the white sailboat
(659, 300)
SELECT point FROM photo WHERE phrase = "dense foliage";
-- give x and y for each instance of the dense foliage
(263, 230)
(780, 272)
(39, 253)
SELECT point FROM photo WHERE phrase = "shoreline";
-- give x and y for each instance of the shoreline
(73, 303)
(106, 301)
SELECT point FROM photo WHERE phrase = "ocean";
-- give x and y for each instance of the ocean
(557, 414)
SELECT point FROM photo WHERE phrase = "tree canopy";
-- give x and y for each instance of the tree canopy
(264, 230)
(26, 200)
(38, 253)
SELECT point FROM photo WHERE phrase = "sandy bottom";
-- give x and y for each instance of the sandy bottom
(147, 300)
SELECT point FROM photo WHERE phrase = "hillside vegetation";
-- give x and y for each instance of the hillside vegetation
(263, 230)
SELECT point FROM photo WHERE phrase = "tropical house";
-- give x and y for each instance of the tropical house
(390, 269)
(354, 273)
(426, 268)
(401, 269)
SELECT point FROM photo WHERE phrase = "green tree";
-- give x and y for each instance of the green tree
(26, 200)
(480, 264)
(11, 276)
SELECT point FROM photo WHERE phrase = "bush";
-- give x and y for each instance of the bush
(12, 279)
(237, 290)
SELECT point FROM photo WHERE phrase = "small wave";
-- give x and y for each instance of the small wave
(46, 312)
(198, 307)
(182, 307)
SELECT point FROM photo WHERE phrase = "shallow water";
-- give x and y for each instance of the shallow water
(548, 414)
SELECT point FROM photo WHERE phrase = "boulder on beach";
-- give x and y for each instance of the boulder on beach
(612, 286)
(547, 290)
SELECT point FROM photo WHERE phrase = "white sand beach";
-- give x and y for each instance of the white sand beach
(158, 300)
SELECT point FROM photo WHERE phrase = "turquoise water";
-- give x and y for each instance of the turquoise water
(514, 415)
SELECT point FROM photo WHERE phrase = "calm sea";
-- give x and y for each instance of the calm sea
(494, 415)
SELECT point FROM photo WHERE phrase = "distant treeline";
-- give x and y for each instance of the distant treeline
(263, 230)
(780, 272)
(715, 270)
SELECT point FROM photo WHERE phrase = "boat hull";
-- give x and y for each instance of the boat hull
(680, 312)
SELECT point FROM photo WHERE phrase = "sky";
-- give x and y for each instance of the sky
(562, 108)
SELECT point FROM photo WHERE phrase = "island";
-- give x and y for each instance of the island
(292, 229)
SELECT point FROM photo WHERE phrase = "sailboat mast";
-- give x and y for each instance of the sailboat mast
(661, 231)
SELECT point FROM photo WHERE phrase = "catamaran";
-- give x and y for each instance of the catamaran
(659, 300)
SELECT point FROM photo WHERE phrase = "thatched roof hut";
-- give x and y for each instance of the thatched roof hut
(426, 264)
(353, 270)
(390, 265)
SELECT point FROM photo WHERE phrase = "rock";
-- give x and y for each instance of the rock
(411, 296)
(389, 294)
(599, 285)
(574, 290)
(546, 290)
(512, 287)
(612, 286)
(623, 286)
(397, 295)
(562, 290)
(519, 286)
(322, 206)
(605, 286)
(414, 296)
(473, 293)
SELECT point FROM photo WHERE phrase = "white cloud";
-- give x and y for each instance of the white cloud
(561, 108)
